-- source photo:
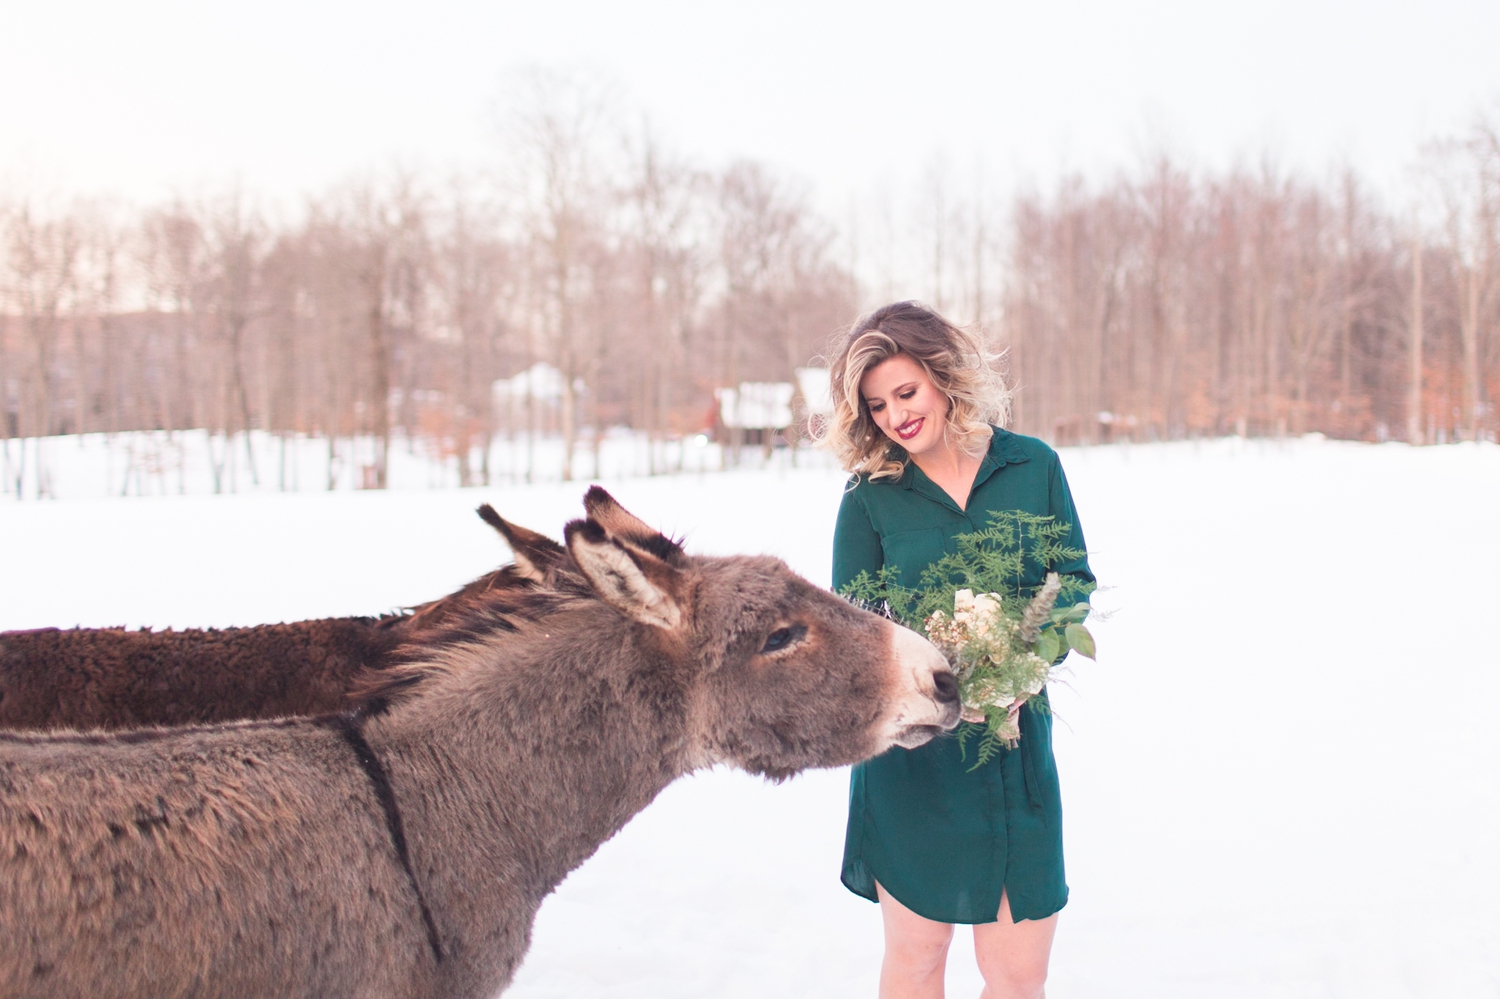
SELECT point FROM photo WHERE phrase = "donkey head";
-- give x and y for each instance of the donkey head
(781, 674)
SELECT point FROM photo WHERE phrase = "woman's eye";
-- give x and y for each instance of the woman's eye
(876, 407)
(780, 639)
(908, 395)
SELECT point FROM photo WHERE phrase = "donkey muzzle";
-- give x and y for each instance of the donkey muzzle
(926, 701)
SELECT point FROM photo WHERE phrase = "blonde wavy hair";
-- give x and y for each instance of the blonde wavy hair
(956, 359)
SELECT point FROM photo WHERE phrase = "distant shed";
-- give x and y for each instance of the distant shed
(759, 411)
(814, 399)
(533, 394)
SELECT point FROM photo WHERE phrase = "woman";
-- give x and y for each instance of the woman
(917, 417)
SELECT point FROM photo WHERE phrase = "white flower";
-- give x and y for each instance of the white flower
(978, 615)
(986, 613)
(963, 609)
(987, 605)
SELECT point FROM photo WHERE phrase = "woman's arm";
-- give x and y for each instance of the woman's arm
(1060, 500)
(856, 545)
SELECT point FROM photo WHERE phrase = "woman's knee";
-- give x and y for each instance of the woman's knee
(1013, 974)
(916, 957)
(919, 944)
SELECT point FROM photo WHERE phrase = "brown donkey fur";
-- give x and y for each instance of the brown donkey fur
(112, 678)
(404, 851)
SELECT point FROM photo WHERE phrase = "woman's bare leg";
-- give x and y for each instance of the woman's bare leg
(1013, 956)
(916, 952)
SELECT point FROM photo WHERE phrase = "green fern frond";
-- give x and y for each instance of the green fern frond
(1013, 657)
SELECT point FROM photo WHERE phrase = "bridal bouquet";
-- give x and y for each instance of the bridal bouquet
(1002, 641)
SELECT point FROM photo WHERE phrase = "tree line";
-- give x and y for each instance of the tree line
(1161, 304)
(1258, 302)
(602, 283)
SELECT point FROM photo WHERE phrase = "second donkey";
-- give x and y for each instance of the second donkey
(114, 678)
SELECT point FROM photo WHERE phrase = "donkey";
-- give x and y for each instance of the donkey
(404, 850)
(111, 678)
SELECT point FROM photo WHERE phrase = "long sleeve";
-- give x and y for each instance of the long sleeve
(1060, 500)
(856, 545)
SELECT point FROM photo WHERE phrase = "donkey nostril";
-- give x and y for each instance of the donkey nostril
(946, 686)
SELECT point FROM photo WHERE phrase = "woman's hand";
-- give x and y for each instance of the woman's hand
(977, 717)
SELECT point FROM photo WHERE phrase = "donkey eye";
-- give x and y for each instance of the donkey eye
(781, 638)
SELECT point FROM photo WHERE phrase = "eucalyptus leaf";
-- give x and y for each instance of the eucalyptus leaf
(1048, 646)
(1080, 639)
(1076, 613)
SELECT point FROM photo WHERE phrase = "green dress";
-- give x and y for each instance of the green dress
(940, 838)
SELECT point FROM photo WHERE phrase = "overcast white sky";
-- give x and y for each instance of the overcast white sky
(141, 98)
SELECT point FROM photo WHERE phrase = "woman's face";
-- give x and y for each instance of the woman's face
(905, 404)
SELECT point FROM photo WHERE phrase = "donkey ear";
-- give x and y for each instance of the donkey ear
(635, 582)
(533, 552)
(621, 523)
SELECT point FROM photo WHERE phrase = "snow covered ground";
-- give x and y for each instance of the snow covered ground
(195, 463)
(1281, 780)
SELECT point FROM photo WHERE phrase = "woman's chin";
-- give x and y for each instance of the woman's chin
(923, 441)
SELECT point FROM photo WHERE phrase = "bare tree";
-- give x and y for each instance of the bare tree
(1416, 336)
(755, 221)
(662, 225)
(237, 247)
(474, 275)
(1466, 175)
(558, 132)
(42, 258)
(173, 256)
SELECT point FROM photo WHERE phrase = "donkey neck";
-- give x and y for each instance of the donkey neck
(536, 752)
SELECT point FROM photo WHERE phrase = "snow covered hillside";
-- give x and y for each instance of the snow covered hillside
(1281, 780)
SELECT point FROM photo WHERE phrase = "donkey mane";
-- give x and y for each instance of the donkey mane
(432, 653)
(114, 678)
(483, 610)
(438, 613)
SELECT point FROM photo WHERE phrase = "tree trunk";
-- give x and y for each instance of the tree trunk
(1414, 433)
(1468, 326)
(380, 389)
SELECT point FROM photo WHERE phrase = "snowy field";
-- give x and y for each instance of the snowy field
(1281, 780)
(197, 463)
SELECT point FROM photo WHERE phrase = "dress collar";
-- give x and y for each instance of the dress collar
(1004, 450)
